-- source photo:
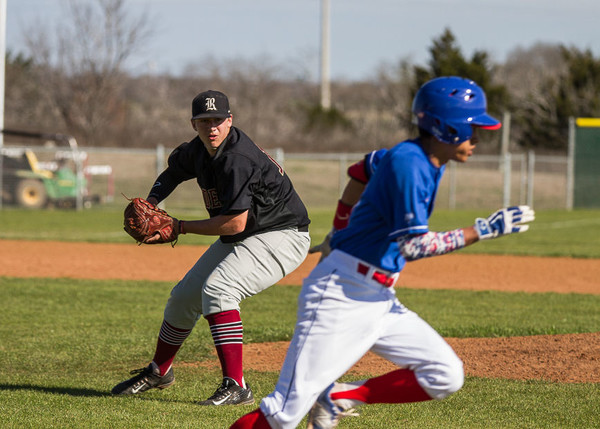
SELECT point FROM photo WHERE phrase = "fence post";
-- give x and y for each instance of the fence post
(78, 160)
(80, 180)
(505, 141)
(1, 173)
(279, 156)
(524, 179)
(452, 187)
(530, 176)
(507, 173)
(342, 180)
(160, 165)
(571, 165)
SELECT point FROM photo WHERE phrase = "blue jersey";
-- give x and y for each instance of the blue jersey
(397, 201)
(372, 160)
(364, 169)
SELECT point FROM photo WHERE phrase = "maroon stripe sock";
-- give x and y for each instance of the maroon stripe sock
(169, 342)
(227, 332)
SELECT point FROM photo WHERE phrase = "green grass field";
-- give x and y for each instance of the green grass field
(64, 343)
(553, 233)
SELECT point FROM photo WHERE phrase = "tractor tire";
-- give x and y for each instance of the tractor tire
(31, 193)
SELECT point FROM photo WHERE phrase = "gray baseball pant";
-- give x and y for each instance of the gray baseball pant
(227, 273)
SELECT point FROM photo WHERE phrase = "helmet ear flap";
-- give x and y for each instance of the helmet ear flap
(458, 132)
(451, 131)
(445, 131)
(431, 123)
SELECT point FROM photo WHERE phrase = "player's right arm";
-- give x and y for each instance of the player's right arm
(414, 247)
(179, 169)
(164, 184)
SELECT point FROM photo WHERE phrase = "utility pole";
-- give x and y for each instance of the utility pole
(2, 66)
(2, 82)
(325, 83)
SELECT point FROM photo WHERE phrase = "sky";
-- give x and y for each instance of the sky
(364, 34)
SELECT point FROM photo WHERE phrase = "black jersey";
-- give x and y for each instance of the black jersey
(241, 176)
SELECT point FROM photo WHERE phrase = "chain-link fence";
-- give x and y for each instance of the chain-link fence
(484, 182)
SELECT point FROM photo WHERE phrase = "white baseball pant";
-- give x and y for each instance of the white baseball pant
(342, 314)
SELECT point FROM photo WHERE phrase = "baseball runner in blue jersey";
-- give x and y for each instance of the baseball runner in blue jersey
(347, 305)
(359, 174)
(263, 235)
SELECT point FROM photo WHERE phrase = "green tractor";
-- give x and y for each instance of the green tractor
(25, 184)
(28, 183)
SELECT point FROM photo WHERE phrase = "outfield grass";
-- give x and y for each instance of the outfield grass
(553, 233)
(66, 342)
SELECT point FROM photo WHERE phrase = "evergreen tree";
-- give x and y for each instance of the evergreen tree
(447, 59)
(575, 93)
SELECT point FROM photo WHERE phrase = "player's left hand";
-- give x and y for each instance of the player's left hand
(505, 221)
(323, 247)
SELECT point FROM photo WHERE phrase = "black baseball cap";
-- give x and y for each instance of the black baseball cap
(210, 104)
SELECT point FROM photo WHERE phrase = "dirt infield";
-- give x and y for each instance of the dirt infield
(562, 358)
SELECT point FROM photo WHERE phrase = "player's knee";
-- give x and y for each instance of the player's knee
(216, 300)
(441, 381)
(455, 381)
(184, 307)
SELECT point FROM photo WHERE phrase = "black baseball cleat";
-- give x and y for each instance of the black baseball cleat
(146, 379)
(230, 393)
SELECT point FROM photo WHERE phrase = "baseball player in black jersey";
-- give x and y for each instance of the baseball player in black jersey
(263, 235)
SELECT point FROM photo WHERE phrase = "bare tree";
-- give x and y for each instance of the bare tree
(527, 71)
(394, 85)
(533, 76)
(81, 65)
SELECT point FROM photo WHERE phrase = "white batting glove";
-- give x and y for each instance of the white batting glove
(505, 221)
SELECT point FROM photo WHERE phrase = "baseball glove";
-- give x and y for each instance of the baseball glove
(144, 220)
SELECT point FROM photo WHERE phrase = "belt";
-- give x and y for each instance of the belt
(379, 276)
(303, 228)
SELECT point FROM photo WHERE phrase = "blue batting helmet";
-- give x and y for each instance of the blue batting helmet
(448, 107)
